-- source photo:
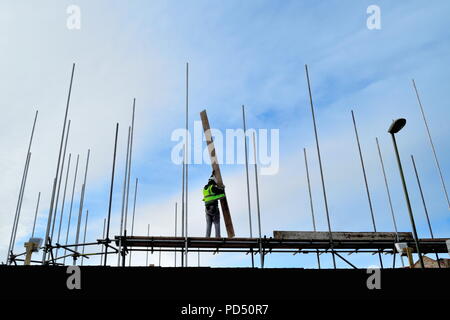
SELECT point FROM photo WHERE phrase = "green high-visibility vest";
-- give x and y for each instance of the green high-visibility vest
(209, 195)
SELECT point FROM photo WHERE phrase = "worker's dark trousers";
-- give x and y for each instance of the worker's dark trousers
(212, 216)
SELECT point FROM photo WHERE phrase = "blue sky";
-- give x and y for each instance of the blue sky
(250, 53)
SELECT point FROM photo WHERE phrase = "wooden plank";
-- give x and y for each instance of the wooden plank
(340, 236)
(215, 166)
(426, 245)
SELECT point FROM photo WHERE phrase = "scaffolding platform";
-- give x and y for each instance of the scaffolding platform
(285, 241)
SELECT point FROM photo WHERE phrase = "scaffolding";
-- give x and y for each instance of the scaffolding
(368, 243)
(331, 242)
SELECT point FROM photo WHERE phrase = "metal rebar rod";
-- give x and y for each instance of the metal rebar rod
(146, 253)
(160, 258)
(36, 213)
(55, 211)
(50, 212)
(311, 202)
(21, 201)
(21, 194)
(122, 216)
(257, 201)
(387, 188)
(63, 203)
(248, 181)
(13, 229)
(125, 184)
(389, 198)
(129, 163)
(432, 145)
(80, 213)
(78, 228)
(47, 241)
(182, 204)
(22, 183)
(103, 237)
(84, 237)
(369, 199)
(71, 205)
(175, 253)
(187, 161)
(198, 257)
(424, 204)
(422, 197)
(320, 166)
(134, 211)
(124, 248)
(111, 196)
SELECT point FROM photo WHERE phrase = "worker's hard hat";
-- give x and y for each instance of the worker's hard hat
(213, 178)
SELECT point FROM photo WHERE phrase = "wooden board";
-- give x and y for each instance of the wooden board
(215, 166)
(339, 236)
(351, 242)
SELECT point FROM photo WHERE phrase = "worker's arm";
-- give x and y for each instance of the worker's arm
(218, 190)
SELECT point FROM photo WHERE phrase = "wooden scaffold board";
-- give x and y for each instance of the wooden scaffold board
(215, 166)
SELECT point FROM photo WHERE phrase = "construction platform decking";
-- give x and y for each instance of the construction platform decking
(287, 241)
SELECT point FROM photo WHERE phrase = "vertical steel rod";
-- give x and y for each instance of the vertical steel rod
(55, 211)
(248, 183)
(110, 197)
(257, 201)
(432, 145)
(80, 213)
(146, 253)
(129, 165)
(387, 189)
(84, 237)
(124, 248)
(63, 203)
(77, 232)
(47, 238)
(47, 233)
(103, 237)
(182, 204)
(160, 257)
(125, 180)
(36, 213)
(25, 169)
(71, 206)
(175, 252)
(19, 199)
(122, 216)
(21, 194)
(389, 197)
(134, 211)
(321, 169)
(424, 205)
(187, 161)
(366, 183)
(311, 203)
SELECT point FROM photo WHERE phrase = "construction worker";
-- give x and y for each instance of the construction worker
(211, 195)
